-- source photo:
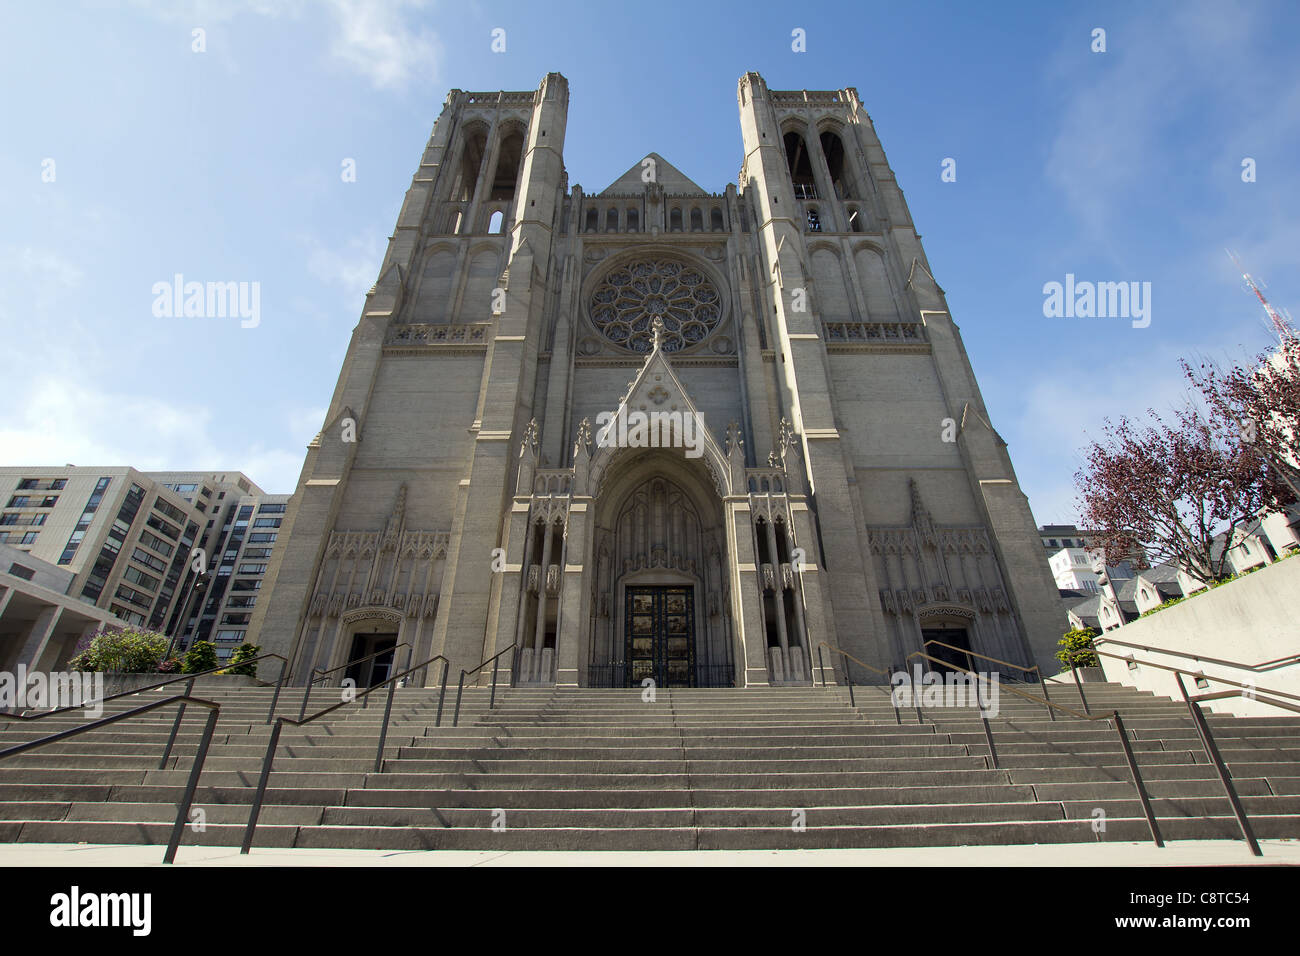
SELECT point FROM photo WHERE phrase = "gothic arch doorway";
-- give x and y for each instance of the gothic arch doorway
(660, 589)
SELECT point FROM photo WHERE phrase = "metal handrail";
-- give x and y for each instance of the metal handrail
(1252, 689)
(1263, 666)
(274, 742)
(180, 711)
(1203, 730)
(171, 680)
(1116, 720)
(200, 755)
(493, 660)
(322, 674)
(1051, 715)
(848, 676)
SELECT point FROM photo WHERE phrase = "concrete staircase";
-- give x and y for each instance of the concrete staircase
(761, 768)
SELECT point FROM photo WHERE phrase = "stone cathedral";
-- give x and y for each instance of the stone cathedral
(656, 431)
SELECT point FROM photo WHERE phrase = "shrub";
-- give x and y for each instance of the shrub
(1076, 644)
(172, 665)
(202, 656)
(128, 650)
(244, 652)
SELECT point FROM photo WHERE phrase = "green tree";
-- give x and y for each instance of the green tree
(1076, 644)
(129, 650)
(244, 652)
(202, 656)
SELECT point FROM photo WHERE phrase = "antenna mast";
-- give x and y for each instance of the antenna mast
(1281, 325)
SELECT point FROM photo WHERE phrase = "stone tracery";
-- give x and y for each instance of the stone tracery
(628, 300)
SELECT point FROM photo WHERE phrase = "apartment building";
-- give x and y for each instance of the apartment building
(127, 537)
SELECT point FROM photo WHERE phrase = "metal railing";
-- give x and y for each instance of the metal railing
(280, 722)
(494, 660)
(1114, 717)
(848, 676)
(1020, 667)
(200, 755)
(322, 673)
(1264, 666)
(180, 713)
(1208, 743)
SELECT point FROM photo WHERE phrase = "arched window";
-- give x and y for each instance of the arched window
(833, 150)
(470, 160)
(507, 171)
(675, 220)
(494, 224)
(611, 220)
(801, 173)
(697, 220)
(715, 219)
(633, 221)
(593, 220)
(855, 219)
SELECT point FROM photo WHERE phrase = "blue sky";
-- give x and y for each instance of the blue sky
(225, 165)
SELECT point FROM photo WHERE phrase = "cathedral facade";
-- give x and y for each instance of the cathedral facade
(709, 438)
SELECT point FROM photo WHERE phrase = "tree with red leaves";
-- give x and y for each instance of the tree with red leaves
(1262, 402)
(1170, 487)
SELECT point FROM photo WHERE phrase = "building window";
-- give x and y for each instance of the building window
(18, 571)
(801, 174)
(814, 221)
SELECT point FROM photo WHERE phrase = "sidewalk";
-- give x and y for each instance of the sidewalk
(1183, 853)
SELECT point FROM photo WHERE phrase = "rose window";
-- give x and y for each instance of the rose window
(631, 297)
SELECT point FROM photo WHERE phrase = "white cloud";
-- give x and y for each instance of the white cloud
(45, 265)
(1179, 68)
(66, 419)
(352, 269)
(378, 39)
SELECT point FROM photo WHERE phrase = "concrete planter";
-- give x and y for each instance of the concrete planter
(116, 683)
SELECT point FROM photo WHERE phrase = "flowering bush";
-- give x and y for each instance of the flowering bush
(128, 650)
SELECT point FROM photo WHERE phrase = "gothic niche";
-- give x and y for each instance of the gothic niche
(393, 574)
(631, 296)
(658, 550)
(943, 583)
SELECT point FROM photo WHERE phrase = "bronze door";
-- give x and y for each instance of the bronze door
(660, 635)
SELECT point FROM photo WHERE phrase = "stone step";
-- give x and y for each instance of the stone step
(603, 769)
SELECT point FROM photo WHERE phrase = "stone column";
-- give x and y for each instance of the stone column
(746, 594)
(539, 635)
(34, 649)
(577, 561)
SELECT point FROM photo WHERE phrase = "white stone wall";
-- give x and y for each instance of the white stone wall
(1251, 620)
